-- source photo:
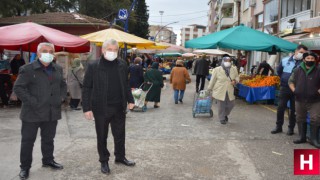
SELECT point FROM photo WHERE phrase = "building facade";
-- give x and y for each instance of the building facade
(162, 34)
(191, 32)
(297, 21)
(211, 16)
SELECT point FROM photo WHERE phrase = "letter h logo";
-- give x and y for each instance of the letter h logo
(306, 162)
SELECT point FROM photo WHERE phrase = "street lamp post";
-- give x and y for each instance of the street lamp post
(155, 37)
(161, 13)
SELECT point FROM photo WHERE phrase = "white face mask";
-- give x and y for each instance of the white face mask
(298, 56)
(110, 56)
(227, 64)
(46, 57)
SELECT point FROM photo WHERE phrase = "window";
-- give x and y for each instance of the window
(305, 5)
(290, 7)
(246, 4)
(284, 8)
(271, 12)
(259, 21)
(297, 6)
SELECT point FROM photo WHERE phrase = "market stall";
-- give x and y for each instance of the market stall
(258, 88)
(27, 36)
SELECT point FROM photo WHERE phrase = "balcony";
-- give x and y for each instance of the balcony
(227, 22)
(299, 17)
(227, 3)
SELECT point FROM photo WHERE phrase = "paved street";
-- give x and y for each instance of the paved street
(166, 143)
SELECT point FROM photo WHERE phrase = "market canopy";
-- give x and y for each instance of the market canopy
(242, 38)
(188, 55)
(215, 52)
(157, 46)
(163, 47)
(172, 48)
(27, 36)
(122, 37)
(169, 55)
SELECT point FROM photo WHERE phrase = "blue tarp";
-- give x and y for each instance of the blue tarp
(257, 94)
(165, 71)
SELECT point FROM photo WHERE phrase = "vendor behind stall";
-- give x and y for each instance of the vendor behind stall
(5, 81)
(16, 63)
(265, 68)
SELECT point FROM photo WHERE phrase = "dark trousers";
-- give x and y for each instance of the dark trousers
(4, 80)
(203, 80)
(115, 116)
(74, 103)
(29, 134)
(285, 96)
(302, 109)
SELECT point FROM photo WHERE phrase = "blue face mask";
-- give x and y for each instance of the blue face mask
(46, 57)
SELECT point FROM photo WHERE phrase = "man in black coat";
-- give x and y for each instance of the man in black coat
(201, 69)
(16, 63)
(41, 88)
(105, 95)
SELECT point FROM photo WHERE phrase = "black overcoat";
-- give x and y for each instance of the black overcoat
(95, 86)
(41, 96)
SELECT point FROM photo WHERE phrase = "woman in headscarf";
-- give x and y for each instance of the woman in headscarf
(74, 82)
(179, 78)
(136, 73)
(154, 76)
(222, 83)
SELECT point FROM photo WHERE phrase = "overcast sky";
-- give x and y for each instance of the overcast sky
(185, 11)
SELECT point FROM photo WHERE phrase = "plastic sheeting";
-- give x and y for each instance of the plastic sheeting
(257, 94)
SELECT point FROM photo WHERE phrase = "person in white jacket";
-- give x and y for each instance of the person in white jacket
(222, 83)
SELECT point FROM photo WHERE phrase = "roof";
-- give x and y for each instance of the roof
(198, 26)
(55, 18)
(158, 27)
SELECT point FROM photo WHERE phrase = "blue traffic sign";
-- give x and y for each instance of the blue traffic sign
(123, 14)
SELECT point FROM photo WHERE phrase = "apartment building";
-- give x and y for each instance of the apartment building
(191, 32)
(162, 34)
(312, 26)
(211, 16)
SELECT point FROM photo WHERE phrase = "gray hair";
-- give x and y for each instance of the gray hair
(45, 44)
(110, 42)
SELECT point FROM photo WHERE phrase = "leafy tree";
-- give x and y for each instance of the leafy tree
(10, 8)
(101, 9)
(141, 17)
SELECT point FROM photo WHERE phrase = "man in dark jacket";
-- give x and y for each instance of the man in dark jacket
(305, 84)
(105, 95)
(41, 88)
(136, 73)
(16, 63)
(287, 65)
(201, 69)
(265, 68)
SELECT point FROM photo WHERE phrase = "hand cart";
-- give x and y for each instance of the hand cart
(202, 103)
(139, 95)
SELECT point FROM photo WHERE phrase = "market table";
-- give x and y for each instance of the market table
(257, 93)
(165, 71)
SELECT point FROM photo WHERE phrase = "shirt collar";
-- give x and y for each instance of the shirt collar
(37, 64)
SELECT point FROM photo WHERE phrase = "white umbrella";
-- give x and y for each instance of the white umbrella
(188, 55)
(216, 52)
